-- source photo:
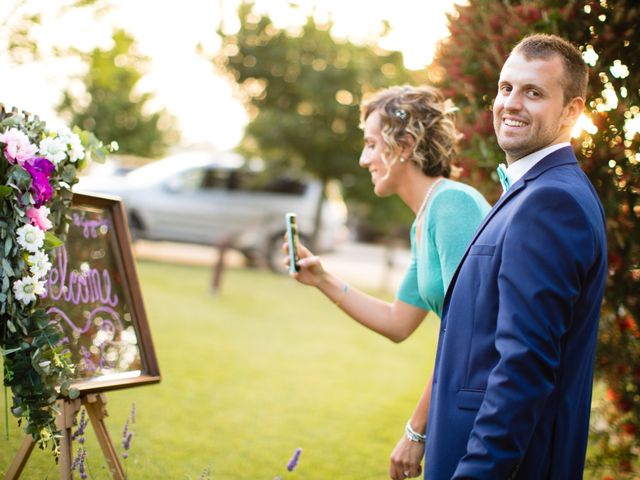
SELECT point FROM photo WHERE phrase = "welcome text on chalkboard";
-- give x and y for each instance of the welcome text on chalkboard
(94, 296)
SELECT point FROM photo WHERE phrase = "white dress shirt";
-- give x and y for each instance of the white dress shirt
(517, 169)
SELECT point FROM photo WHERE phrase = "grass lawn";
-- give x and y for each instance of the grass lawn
(250, 375)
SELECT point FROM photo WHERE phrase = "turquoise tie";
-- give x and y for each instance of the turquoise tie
(504, 179)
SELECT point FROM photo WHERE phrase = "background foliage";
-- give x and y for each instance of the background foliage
(23, 21)
(105, 99)
(468, 65)
(111, 107)
(303, 88)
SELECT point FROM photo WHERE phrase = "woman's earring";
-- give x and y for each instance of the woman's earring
(402, 159)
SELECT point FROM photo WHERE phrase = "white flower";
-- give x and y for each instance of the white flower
(114, 146)
(53, 149)
(27, 288)
(76, 150)
(18, 148)
(65, 134)
(73, 143)
(30, 237)
(39, 264)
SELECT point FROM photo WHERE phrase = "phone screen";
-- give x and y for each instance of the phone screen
(292, 231)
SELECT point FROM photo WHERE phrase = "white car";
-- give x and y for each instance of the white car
(211, 198)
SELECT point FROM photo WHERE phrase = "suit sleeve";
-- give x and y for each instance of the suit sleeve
(547, 251)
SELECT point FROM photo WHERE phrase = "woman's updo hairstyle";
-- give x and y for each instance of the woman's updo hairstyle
(423, 113)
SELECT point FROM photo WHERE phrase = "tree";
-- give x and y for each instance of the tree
(302, 90)
(20, 22)
(112, 108)
(468, 64)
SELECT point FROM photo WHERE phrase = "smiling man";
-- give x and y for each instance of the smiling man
(514, 369)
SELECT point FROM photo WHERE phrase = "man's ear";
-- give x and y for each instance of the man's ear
(573, 110)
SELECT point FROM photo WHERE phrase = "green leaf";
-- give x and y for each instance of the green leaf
(7, 268)
(8, 244)
(11, 327)
(10, 351)
(19, 177)
(69, 174)
(5, 191)
(51, 241)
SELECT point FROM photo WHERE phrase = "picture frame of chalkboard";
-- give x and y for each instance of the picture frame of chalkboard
(94, 295)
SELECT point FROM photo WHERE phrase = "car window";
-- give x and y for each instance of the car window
(261, 182)
(213, 179)
(190, 180)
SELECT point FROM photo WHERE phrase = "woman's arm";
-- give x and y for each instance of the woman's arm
(408, 454)
(396, 320)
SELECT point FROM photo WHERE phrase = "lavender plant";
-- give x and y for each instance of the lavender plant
(293, 463)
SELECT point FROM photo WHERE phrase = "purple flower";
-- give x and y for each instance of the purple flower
(132, 416)
(40, 170)
(82, 425)
(127, 436)
(79, 462)
(291, 466)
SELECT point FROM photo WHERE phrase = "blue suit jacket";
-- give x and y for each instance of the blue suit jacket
(514, 368)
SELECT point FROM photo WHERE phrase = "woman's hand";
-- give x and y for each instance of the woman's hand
(406, 459)
(310, 270)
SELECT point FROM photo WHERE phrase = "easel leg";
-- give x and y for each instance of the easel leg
(96, 408)
(20, 460)
(68, 411)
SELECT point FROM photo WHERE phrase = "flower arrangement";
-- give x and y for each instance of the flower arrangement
(38, 168)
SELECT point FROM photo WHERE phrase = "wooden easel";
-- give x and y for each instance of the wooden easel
(95, 404)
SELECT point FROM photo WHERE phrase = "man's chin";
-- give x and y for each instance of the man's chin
(512, 148)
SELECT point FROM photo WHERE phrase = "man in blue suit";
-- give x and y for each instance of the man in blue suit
(514, 368)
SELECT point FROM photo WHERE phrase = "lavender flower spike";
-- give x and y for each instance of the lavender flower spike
(291, 466)
(133, 413)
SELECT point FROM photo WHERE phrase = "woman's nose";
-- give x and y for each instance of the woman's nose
(364, 160)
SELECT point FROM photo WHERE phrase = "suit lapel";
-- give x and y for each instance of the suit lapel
(562, 156)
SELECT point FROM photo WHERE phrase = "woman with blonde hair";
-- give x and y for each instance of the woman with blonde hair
(409, 144)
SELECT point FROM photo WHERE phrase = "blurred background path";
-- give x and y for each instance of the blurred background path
(370, 266)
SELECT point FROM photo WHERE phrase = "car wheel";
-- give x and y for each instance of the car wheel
(135, 227)
(252, 258)
(274, 255)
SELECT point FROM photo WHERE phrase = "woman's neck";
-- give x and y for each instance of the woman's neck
(415, 191)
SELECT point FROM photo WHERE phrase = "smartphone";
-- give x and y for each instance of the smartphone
(292, 234)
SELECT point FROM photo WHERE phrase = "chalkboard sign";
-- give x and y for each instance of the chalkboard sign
(94, 295)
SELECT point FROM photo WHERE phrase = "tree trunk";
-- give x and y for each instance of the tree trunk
(317, 219)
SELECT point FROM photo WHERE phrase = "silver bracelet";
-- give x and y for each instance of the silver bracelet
(412, 435)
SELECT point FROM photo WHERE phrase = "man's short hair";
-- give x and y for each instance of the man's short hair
(543, 46)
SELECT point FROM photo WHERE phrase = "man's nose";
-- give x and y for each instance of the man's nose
(513, 101)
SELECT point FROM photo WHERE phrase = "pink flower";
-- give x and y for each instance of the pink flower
(40, 217)
(17, 148)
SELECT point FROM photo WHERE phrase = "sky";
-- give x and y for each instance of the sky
(184, 81)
